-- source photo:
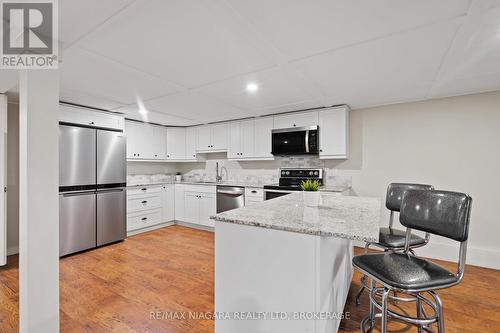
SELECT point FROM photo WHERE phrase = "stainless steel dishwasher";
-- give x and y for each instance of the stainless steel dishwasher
(230, 197)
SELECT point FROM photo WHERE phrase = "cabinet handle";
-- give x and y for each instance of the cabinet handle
(156, 155)
(321, 150)
(144, 219)
(294, 125)
(144, 202)
(253, 191)
(91, 123)
(144, 189)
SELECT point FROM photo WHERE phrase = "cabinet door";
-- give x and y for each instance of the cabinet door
(168, 203)
(247, 139)
(333, 133)
(234, 144)
(192, 207)
(179, 201)
(191, 143)
(132, 133)
(204, 140)
(296, 120)
(207, 208)
(176, 143)
(144, 141)
(159, 143)
(83, 116)
(262, 137)
(219, 137)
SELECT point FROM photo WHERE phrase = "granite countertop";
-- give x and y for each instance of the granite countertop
(326, 188)
(349, 217)
(188, 182)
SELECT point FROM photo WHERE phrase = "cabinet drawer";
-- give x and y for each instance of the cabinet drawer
(254, 193)
(143, 219)
(252, 201)
(201, 188)
(144, 190)
(142, 202)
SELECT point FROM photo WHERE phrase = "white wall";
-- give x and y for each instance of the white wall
(451, 143)
(13, 179)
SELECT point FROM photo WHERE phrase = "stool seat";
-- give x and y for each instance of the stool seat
(395, 238)
(404, 271)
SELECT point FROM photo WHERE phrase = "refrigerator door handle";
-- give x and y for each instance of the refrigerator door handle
(77, 193)
(121, 189)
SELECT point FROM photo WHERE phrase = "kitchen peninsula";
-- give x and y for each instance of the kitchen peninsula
(289, 263)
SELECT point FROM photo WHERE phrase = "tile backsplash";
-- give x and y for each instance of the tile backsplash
(255, 172)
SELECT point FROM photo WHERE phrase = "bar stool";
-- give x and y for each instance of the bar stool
(441, 213)
(391, 239)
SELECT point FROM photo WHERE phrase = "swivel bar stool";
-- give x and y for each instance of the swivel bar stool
(391, 239)
(441, 213)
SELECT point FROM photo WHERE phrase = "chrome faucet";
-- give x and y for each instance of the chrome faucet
(218, 177)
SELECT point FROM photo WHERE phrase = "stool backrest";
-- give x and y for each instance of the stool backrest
(442, 213)
(395, 193)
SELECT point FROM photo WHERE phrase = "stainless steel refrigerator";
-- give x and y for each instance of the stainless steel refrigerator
(92, 187)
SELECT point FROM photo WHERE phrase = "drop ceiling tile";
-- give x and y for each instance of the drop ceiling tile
(475, 53)
(8, 79)
(196, 106)
(76, 97)
(92, 74)
(479, 6)
(397, 68)
(132, 112)
(469, 85)
(77, 17)
(277, 89)
(302, 28)
(191, 43)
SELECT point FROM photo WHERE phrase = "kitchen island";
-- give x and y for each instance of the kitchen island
(281, 266)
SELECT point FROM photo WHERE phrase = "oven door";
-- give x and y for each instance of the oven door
(271, 194)
(295, 141)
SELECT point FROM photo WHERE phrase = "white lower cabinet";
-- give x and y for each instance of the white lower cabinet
(253, 196)
(148, 206)
(168, 203)
(199, 204)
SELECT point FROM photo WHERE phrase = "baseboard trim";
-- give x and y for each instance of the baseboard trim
(154, 227)
(12, 250)
(194, 226)
(476, 256)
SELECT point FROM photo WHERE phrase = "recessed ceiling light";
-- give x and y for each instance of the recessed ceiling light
(252, 87)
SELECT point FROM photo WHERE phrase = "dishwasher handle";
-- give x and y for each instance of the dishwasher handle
(232, 191)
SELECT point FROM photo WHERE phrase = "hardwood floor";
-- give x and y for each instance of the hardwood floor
(115, 289)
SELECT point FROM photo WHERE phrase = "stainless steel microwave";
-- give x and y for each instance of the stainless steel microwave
(295, 141)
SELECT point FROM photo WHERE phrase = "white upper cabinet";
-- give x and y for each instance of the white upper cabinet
(234, 144)
(250, 139)
(334, 133)
(159, 144)
(302, 119)
(212, 138)
(191, 143)
(262, 137)
(219, 136)
(176, 143)
(140, 138)
(89, 117)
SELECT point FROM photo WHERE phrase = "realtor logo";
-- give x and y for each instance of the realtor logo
(29, 34)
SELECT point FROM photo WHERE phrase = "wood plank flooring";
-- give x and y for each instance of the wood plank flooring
(115, 289)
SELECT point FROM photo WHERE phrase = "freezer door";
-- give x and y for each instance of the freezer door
(77, 148)
(111, 215)
(77, 222)
(111, 157)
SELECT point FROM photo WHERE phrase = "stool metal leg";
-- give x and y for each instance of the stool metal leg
(363, 281)
(439, 312)
(385, 295)
(419, 314)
